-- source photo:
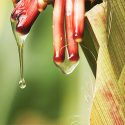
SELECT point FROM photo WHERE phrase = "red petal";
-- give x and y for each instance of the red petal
(25, 12)
(79, 12)
(58, 31)
(72, 45)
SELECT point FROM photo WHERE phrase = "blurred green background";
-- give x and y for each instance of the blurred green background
(50, 98)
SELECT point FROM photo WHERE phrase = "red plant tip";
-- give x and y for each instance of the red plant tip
(70, 10)
(25, 13)
(79, 13)
(59, 56)
(73, 52)
(72, 45)
(58, 31)
(42, 5)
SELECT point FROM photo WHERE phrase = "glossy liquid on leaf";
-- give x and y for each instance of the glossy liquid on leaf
(67, 67)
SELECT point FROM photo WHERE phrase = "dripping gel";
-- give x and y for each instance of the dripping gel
(20, 39)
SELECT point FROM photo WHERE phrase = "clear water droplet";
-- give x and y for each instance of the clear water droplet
(20, 39)
(67, 67)
(22, 83)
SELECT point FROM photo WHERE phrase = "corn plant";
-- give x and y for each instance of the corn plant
(98, 27)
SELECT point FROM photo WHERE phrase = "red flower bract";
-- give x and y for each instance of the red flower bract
(74, 11)
(79, 11)
(72, 45)
(25, 13)
(58, 31)
(68, 16)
